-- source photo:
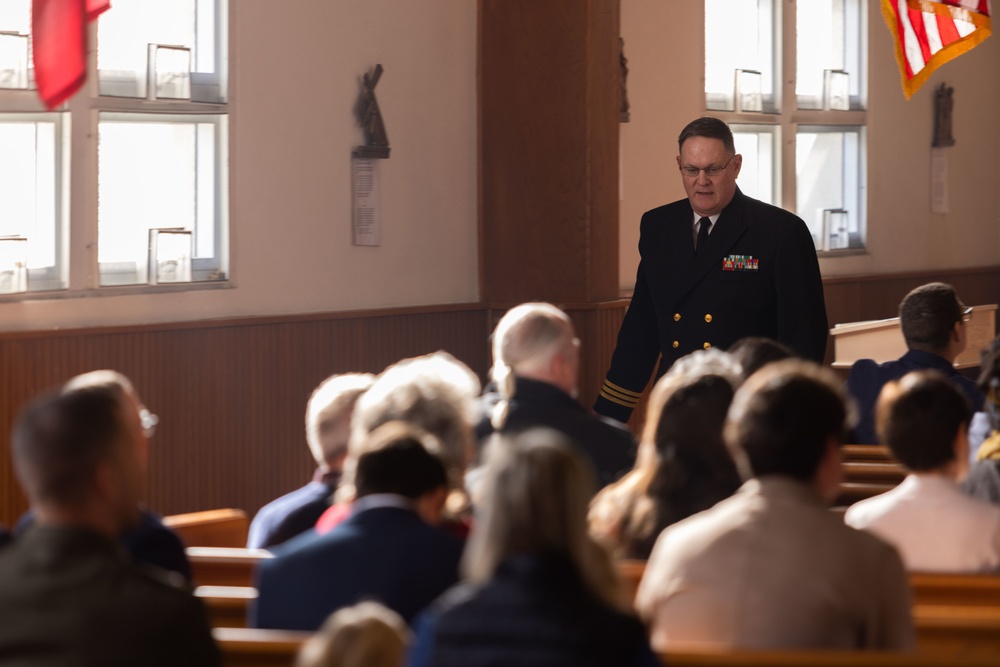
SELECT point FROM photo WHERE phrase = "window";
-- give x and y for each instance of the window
(140, 152)
(814, 122)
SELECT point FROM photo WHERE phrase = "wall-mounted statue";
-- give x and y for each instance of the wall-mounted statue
(943, 103)
(376, 139)
(623, 111)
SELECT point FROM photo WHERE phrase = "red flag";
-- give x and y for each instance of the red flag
(929, 34)
(59, 45)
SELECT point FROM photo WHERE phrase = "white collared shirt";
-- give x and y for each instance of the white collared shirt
(694, 225)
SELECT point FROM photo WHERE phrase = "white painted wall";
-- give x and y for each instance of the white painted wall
(296, 70)
(664, 43)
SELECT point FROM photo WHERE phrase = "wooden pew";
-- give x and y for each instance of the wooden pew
(224, 566)
(246, 647)
(958, 629)
(935, 588)
(951, 612)
(760, 658)
(211, 528)
(227, 606)
(862, 453)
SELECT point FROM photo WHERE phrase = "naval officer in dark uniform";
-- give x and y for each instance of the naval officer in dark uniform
(714, 267)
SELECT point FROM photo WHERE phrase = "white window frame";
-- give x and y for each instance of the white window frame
(786, 118)
(77, 245)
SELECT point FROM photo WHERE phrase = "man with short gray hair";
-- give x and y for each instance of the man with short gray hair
(328, 429)
(536, 363)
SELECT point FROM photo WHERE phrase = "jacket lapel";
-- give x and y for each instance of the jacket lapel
(727, 231)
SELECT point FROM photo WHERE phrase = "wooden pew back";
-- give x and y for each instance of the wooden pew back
(224, 566)
(244, 647)
(211, 528)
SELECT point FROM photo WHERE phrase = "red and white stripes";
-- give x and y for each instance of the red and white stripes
(929, 34)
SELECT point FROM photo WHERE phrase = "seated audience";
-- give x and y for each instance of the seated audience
(536, 361)
(985, 426)
(365, 635)
(436, 393)
(683, 466)
(933, 320)
(923, 419)
(4, 537)
(69, 595)
(387, 550)
(754, 352)
(771, 567)
(147, 540)
(328, 427)
(539, 591)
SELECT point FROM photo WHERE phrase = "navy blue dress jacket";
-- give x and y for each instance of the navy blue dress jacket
(386, 554)
(757, 275)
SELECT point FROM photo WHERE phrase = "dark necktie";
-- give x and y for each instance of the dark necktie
(703, 226)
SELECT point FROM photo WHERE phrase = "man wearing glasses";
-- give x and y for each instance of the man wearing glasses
(715, 267)
(933, 320)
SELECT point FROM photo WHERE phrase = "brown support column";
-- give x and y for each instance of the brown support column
(548, 104)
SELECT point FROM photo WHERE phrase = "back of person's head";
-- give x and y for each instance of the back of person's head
(783, 419)
(919, 417)
(686, 466)
(328, 416)
(712, 361)
(436, 393)
(711, 128)
(526, 342)
(61, 438)
(365, 635)
(527, 338)
(533, 500)
(927, 316)
(399, 459)
(754, 352)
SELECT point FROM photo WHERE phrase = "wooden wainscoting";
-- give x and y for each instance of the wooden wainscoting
(230, 394)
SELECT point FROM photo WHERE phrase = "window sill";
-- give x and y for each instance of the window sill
(123, 290)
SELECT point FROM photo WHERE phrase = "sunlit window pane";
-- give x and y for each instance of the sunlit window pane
(739, 34)
(15, 16)
(29, 169)
(759, 173)
(830, 185)
(828, 37)
(125, 33)
(171, 182)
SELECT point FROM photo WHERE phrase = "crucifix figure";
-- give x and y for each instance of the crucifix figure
(376, 139)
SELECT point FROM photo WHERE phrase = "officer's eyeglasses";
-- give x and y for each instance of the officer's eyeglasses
(967, 314)
(714, 170)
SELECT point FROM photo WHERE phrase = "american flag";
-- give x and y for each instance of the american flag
(929, 34)
(59, 45)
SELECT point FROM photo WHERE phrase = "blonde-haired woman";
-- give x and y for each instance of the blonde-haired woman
(683, 466)
(539, 590)
(367, 634)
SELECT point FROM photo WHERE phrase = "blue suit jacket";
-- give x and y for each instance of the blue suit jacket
(386, 554)
(868, 377)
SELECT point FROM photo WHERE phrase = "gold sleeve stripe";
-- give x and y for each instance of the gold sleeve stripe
(616, 398)
(611, 386)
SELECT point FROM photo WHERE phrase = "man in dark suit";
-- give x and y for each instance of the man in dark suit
(387, 550)
(535, 370)
(68, 592)
(715, 267)
(328, 427)
(933, 320)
